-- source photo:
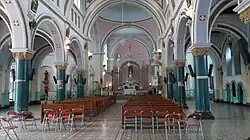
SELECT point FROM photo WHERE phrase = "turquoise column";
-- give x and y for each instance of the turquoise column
(80, 86)
(60, 88)
(202, 90)
(175, 86)
(169, 83)
(21, 102)
(180, 64)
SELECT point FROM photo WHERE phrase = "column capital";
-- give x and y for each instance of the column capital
(169, 69)
(24, 54)
(61, 66)
(200, 51)
(245, 15)
(80, 71)
(180, 63)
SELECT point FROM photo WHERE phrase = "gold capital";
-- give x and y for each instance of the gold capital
(61, 67)
(180, 63)
(169, 70)
(245, 16)
(81, 72)
(199, 51)
(22, 55)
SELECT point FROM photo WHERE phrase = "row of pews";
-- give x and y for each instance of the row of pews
(149, 107)
(92, 105)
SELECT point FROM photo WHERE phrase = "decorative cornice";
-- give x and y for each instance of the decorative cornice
(245, 16)
(22, 55)
(61, 67)
(200, 51)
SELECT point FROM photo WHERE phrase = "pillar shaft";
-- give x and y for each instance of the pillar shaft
(175, 86)
(180, 65)
(60, 89)
(169, 84)
(202, 91)
(21, 81)
(80, 86)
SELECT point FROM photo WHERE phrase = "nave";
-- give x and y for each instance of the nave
(231, 123)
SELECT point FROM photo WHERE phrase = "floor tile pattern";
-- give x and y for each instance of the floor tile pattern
(232, 123)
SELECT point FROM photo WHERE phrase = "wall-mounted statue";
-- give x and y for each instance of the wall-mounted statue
(46, 82)
(34, 5)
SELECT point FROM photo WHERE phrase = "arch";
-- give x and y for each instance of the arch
(201, 22)
(40, 55)
(130, 26)
(233, 83)
(77, 49)
(180, 40)
(97, 6)
(216, 11)
(240, 92)
(19, 27)
(129, 39)
(53, 29)
(228, 92)
(40, 52)
(170, 52)
(125, 61)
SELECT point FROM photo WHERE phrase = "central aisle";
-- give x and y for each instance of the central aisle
(107, 126)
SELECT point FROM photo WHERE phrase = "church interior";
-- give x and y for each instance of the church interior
(125, 69)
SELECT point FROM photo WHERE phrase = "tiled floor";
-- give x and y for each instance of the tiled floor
(232, 123)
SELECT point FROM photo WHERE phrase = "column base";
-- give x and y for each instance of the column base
(206, 115)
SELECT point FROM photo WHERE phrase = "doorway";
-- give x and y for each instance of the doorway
(228, 93)
(240, 93)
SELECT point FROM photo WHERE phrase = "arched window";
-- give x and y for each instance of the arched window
(237, 61)
(105, 58)
(12, 82)
(229, 61)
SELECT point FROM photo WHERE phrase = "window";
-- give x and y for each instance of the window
(12, 82)
(105, 59)
(237, 61)
(72, 15)
(79, 22)
(229, 61)
(75, 19)
(58, 3)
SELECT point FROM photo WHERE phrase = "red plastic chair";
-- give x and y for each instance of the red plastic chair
(173, 121)
(147, 116)
(130, 117)
(194, 120)
(7, 126)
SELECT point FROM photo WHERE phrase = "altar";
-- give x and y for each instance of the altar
(129, 91)
(130, 86)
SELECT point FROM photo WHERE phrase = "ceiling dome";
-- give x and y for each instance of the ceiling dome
(125, 12)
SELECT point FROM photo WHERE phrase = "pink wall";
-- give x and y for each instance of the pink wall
(105, 27)
(136, 49)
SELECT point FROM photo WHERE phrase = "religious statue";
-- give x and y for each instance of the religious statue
(67, 32)
(34, 6)
(46, 83)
